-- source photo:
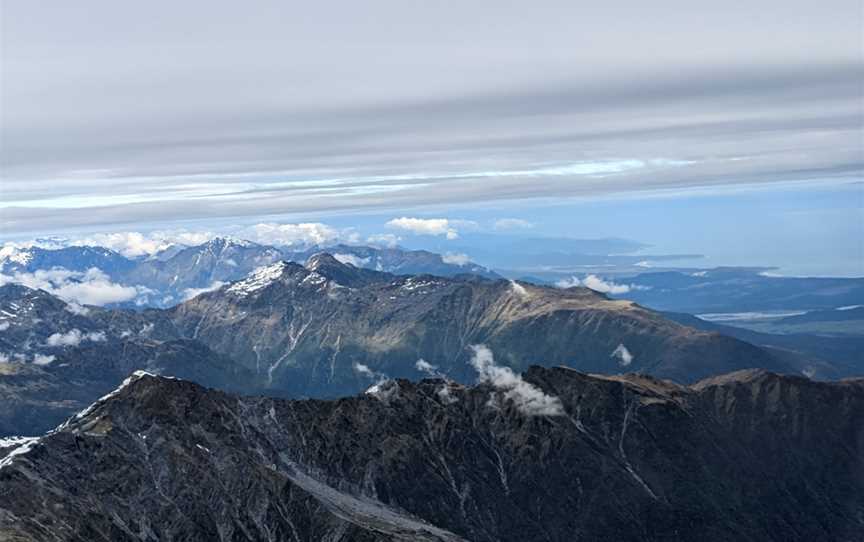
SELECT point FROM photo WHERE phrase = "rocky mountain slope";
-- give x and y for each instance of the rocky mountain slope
(750, 456)
(329, 328)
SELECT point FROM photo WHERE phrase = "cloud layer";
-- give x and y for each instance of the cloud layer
(92, 287)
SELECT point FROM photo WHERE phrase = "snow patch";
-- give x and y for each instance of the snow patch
(259, 279)
(19, 445)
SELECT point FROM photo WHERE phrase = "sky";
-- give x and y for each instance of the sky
(728, 129)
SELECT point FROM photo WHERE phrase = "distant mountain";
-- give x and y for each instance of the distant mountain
(842, 314)
(28, 260)
(829, 357)
(178, 273)
(750, 456)
(204, 266)
(398, 261)
(726, 290)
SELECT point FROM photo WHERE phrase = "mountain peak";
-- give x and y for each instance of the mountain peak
(328, 266)
(259, 279)
(323, 260)
(228, 241)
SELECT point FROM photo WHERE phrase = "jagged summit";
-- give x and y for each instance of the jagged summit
(228, 241)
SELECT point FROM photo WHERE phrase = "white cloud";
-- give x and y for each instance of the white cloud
(304, 234)
(133, 244)
(446, 396)
(74, 337)
(356, 261)
(92, 287)
(40, 359)
(455, 258)
(503, 224)
(624, 356)
(518, 289)
(599, 285)
(363, 370)
(189, 293)
(426, 226)
(4, 326)
(425, 367)
(527, 398)
(387, 240)
(75, 308)
(4, 358)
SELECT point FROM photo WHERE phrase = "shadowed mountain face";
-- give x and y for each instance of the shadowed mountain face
(746, 457)
(306, 330)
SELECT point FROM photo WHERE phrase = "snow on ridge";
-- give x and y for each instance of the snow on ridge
(14, 254)
(130, 379)
(413, 283)
(22, 445)
(258, 279)
(19, 445)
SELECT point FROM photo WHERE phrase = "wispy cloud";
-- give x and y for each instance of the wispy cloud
(74, 337)
(425, 226)
(623, 355)
(527, 398)
(599, 285)
(455, 258)
(505, 224)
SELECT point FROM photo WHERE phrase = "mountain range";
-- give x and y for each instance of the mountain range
(328, 329)
(179, 272)
(553, 454)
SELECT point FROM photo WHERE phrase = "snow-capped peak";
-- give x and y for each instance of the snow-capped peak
(14, 254)
(259, 279)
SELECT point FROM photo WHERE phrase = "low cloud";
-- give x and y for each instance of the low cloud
(386, 240)
(74, 337)
(133, 244)
(623, 355)
(427, 368)
(77, 309)
(599, 285)
(356, 261)
(189, 293)
(518, 289)
(455, 258)
(4, 326)
(506, 224)
(527, 398)
(40, 359)
(426, 226)
(92, 287)
(302, 235)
